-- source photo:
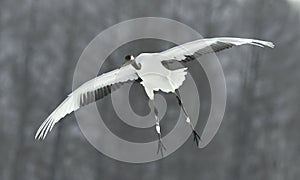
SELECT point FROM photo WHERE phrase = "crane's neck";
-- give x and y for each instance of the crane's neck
(136, 65)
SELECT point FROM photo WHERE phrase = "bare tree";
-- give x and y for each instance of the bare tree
(23, 91)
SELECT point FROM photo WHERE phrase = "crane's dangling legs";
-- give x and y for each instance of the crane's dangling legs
(161, 146)
(197, 138)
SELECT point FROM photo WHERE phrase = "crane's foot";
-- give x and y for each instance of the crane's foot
(197, 138)
(161, 148)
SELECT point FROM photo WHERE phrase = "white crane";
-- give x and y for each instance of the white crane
(149, 70)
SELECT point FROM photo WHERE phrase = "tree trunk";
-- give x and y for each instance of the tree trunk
(23, 92)
(66, 70)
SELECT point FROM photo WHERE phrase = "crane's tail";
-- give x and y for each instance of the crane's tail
(177, 77)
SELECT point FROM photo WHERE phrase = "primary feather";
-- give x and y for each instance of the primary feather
(190, 50)
(89, 92)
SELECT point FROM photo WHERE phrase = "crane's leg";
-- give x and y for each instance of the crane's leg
(160, 147)
(197, 138)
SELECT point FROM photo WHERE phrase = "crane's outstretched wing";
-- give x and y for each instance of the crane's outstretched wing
(89, 92)
(191, 50)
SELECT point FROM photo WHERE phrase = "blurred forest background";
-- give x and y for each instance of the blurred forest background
(41, 41)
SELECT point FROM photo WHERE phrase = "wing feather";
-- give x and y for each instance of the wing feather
(188, 51)
(87, 93)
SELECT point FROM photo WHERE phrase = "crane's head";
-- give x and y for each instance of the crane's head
(128, 59)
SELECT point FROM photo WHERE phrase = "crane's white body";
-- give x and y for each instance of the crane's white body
(157, 77)
(153, 74)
